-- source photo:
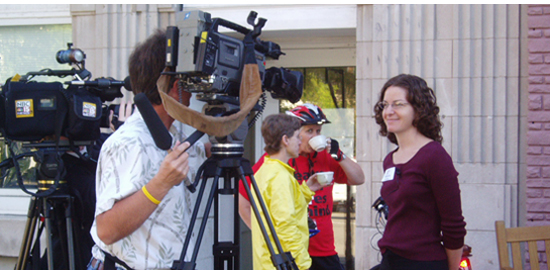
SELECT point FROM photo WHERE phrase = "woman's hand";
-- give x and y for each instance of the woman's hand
(313, 183)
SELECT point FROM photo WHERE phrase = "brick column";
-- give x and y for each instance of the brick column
(538, 136)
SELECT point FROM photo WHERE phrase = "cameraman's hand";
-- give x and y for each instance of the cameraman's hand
(174, 167)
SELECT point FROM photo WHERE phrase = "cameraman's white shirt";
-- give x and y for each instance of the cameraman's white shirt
(128, 160)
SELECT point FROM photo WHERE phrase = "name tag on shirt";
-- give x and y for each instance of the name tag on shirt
(389, 174)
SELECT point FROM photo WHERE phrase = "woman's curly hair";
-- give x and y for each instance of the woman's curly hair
(423, 100)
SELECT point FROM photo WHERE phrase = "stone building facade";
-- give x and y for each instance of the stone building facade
(538, 136)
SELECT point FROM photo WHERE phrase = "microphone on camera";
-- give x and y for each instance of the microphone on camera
(397, 171)
(160, 134)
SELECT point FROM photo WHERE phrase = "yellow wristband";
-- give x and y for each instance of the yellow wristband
(149, 196)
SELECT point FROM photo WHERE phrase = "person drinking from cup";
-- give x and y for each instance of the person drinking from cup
(328, 159)
(286, 200)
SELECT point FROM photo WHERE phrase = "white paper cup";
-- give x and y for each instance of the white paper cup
(318, 143)
(325, 178)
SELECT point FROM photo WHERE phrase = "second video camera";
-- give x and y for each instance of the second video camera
(31, 110)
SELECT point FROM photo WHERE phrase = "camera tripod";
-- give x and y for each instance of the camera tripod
(50, 208)
(45, 207)
(227, 162)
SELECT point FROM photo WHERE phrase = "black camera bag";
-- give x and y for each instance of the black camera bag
(84, 116)
(33, 110)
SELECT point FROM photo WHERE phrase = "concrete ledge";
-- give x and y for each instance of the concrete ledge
(35, 14)
(12, 228)
(7, 262)
(14, 202)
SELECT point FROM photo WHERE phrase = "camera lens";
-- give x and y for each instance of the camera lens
(70, 56)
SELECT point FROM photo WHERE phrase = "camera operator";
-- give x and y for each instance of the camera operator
(321, 246)
(143, 210)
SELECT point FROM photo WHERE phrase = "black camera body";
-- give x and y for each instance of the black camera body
(212, 63)
(31, 110)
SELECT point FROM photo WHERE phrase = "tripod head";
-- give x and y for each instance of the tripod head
(49, 172)
(224, 109)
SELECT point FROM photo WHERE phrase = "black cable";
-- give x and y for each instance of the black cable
(263, 102)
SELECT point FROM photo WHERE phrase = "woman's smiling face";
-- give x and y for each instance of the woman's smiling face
(398, 113)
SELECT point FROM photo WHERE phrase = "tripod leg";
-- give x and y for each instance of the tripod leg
(49, 243)
(30, 226)
(205, 217)
(69, 225)
(283, 259)
(274, 256)
(226, 230)
(181, 264)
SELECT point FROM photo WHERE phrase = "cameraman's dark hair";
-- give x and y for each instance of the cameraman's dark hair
(422, 99)
(146, 63)
(274, 127)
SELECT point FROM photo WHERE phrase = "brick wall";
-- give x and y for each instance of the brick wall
(538, 136)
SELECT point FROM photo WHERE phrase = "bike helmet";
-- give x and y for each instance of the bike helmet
(309, 114)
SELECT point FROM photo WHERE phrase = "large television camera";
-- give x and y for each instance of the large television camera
(211, 64)
(44, 120)
(230, 75)
(31, 110)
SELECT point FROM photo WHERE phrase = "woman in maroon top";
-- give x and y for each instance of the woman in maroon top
(425, 227)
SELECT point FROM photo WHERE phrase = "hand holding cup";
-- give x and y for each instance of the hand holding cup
(319, 180)
(325, 178)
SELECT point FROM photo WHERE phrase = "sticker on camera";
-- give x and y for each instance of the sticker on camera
(89, 109)
(24, 108)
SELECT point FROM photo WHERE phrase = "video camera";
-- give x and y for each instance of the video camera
(32, 110)
(36, 115)
(212, 64)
